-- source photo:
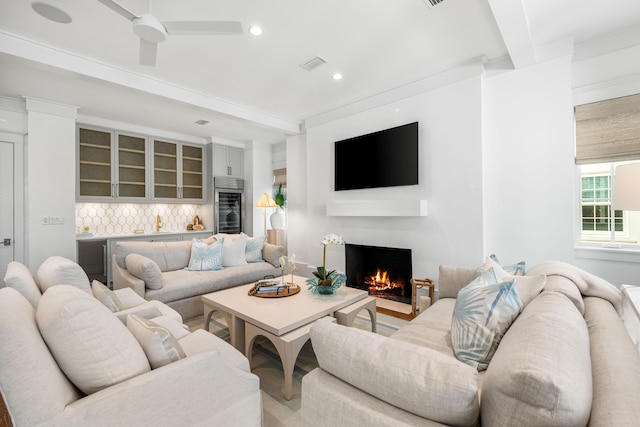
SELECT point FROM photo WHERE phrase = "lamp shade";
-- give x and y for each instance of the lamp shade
(626, 187)
(265, 201)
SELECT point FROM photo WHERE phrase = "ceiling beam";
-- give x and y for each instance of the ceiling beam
(511, 17)
(26, 49)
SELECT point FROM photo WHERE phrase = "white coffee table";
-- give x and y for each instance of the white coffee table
(284, 321)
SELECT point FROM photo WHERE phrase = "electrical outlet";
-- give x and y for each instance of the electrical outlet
(45, 220)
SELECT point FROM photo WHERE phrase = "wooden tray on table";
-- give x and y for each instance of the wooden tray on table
(273, 289)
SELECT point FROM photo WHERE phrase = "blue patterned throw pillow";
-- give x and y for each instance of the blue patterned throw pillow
(205, 257)
(253, 250)
(483, 312)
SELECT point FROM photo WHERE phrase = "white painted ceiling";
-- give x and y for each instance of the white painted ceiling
(252, 88)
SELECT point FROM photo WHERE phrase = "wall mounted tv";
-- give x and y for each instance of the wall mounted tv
(387, 158)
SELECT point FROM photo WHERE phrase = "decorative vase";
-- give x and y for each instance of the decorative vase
(325, 287)
(278, 219)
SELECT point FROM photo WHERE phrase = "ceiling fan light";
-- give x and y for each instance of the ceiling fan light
(148, 28)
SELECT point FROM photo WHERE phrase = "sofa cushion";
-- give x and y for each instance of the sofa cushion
(452, 279)
(159, 345)
(272, 253)
(205, 256)
(19, 277)
(91, 346)
(145, 269)
(233, 251)
(57, 270)
(253, 251)
(517, 269)
(436, 387)
(106, 296)
(541, 373)
(200, 341)
(483, 312)
(169, 256)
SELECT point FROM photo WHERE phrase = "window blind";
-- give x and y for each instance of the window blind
(280, 177)
(608, 131)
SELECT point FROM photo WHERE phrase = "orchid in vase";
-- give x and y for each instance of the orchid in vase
(327, 281)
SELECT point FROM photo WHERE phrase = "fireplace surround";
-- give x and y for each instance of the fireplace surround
(382, 271)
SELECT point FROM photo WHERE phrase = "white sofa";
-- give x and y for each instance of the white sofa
(159, 272)
(70, 362)
(566, 360)
(57, 270)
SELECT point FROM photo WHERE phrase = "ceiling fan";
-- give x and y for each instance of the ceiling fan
(151, 31)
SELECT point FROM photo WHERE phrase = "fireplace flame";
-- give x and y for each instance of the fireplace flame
(381, 282)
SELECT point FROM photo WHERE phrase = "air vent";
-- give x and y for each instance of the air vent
(312, 63)
(433, 2)
(202, 122)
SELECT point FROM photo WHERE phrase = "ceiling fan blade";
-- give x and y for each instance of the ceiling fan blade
(148, 51)
(203, 27)
(119, 9)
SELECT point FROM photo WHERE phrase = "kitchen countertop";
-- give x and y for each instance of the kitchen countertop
(132, 234)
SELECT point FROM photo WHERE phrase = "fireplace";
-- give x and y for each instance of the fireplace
(384, 272)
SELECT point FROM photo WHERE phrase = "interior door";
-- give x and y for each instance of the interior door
(6, 207)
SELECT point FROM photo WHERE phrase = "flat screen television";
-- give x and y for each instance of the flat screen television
(387, 158)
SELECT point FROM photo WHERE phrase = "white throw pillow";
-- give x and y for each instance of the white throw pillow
(91, 346)
(157, 342)
(145, 269)
(57, 270)
(205, 256)
(233, 251)
(106, 296)
(19, 277)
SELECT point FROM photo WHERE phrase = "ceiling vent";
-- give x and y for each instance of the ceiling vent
(432, 3)
(202, 122)
(312, 63)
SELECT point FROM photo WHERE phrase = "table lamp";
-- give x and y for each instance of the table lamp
(265, 201)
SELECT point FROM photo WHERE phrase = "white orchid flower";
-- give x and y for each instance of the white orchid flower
(292, 262)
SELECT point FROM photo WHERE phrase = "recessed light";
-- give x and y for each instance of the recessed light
(255, 30)
(337, 76)
(51, 13)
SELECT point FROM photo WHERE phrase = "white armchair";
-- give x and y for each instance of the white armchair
(46, 361)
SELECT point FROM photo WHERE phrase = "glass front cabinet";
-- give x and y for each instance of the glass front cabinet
(120, 166)
(178, 170)
(111, 165)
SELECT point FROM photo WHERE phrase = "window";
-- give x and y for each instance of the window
(607, 135)
(599, 223)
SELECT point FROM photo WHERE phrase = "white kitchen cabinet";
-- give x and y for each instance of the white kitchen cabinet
(228, 161)
(111, 165)
(178, 171)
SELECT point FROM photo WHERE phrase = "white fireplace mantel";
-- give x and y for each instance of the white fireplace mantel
(377, 208)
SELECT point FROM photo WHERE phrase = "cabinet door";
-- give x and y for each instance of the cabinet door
(220, 165)
(165, 170)
(132, 167)
(192, 172)
(235, 162)
(95, 163)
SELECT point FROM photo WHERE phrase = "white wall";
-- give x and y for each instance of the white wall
(529, 164)
(51, 180)
(258, 180)
(450, 179)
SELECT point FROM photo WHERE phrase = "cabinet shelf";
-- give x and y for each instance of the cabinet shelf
(165, 170)
(192, 172)
(158, 184)
(101, 147)
(196, 159)
(131, 183)
(133, 167)
(97, 181)
(192, 186)
(173, 156)
(131, 150)
(93, 163)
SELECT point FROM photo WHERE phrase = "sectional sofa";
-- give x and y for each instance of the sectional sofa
(168, 271)
(564, 360)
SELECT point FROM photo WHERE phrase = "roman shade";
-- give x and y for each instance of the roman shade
(608, 131)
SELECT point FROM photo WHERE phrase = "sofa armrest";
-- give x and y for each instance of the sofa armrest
(198, 390)
(123, 279)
